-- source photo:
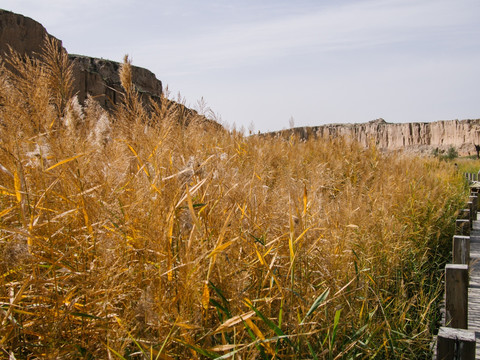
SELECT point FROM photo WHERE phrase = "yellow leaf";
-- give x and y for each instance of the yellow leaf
(190, 208)
(255, 329)
(23, 312)
(304, 199)
(5, 191)
(290, 247)
(109, 228)
(220, 248)
(154, 187)
(371, 279)
(169, 251)
(205, 296)
(169, 265)
(260, 335)
(242, 209)
(361, 310)
(234, 321)
(139, 160)
(187, 326)
(5, 212)
(64, 162)
(301, 235)
(18, 187)
(191, 192)
(86, 219)
(260, 257)
(227, 347)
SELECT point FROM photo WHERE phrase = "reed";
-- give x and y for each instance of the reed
(132, 235)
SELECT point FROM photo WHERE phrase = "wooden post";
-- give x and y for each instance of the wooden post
(474, 200)
(461, 249)
(455, 344)
(465, 214)
(470, 213)
(456, 296)
(462, 227)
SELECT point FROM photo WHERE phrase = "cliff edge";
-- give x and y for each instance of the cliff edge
(414, 137)
(95, 77)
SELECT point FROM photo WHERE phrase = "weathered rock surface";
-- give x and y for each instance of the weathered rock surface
(24, 35)
(95, 77)
(99, 78)
(416, 137)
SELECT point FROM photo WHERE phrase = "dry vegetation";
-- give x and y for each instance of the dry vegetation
(127, 235)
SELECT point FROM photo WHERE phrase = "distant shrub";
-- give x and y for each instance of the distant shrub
(452, 153)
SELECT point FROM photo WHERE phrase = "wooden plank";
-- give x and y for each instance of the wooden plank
(470, 213)
(474, 284)
(455, 344)
(456, 296)
(461, 249)
(474, 200)
(462, 227)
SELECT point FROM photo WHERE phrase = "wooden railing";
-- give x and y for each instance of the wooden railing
(471, 176)
(454, 340)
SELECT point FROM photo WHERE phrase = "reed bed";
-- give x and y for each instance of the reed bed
(130, 235)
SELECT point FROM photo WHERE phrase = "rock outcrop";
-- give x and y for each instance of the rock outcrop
(95, 77)
(24, 35)
(415, 137)
(99, 78)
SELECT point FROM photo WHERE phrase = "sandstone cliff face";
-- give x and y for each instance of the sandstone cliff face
(99, 78)
(24, 35)
(417, 137)
(95, 77)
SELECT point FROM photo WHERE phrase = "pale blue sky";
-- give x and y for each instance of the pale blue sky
(262, 62)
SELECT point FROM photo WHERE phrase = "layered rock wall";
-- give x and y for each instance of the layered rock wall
(24, 35)
(422, 137)
(95, 77)
(99, 78)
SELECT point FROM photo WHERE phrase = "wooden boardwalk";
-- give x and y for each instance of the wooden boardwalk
(459, 337)
(474, 285)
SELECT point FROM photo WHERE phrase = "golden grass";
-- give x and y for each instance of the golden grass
(123, 239)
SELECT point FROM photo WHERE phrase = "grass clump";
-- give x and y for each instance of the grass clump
(131, 235)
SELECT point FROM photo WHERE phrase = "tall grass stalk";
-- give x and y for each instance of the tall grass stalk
(132, 235)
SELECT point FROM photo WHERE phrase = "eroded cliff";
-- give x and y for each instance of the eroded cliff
(95, 77)
(99, 79)
(416, 137)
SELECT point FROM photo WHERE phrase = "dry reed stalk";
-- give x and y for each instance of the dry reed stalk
(121, 239)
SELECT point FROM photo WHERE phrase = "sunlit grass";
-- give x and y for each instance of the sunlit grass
(130, 235)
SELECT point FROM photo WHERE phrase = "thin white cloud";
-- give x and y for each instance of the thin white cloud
(339, 27)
